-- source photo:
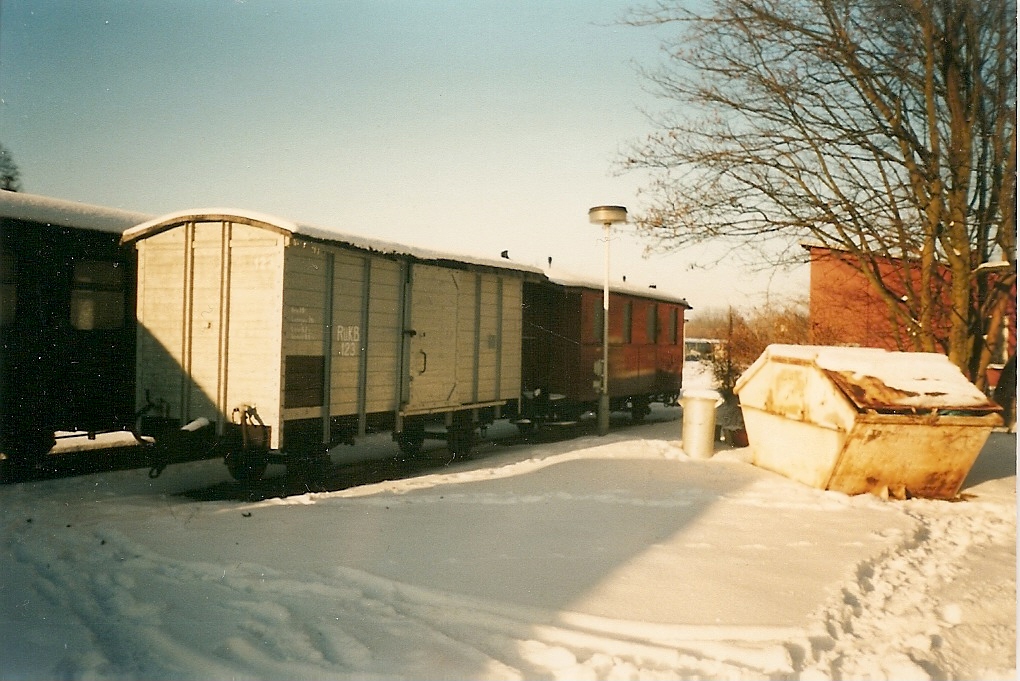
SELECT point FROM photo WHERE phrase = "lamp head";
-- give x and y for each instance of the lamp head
(607, 215)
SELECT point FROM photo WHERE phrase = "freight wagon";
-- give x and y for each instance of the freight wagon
(562, 349)
(67, 331)
(276, 341)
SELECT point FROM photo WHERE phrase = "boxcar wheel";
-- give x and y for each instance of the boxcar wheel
(526, 428)
(460, 437)
(412, 437)
(460, 442)
(640, 408)
(246, 465)
(311, 467)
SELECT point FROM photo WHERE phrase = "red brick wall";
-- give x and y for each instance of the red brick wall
(846, 310)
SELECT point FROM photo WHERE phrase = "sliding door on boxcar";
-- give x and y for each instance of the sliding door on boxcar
(464, 339)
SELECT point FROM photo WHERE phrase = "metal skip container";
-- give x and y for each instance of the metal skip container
(855, 420)
(698, 432)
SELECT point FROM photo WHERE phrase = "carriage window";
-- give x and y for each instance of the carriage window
(8, 289)
(674, 326)
(653, 323)
(598, 321)
(97, 295)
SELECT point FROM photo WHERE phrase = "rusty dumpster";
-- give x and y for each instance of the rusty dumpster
(855, 420)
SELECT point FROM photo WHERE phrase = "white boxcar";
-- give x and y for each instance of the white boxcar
(288, 339)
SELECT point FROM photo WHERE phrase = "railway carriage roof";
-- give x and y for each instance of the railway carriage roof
(571, 280)
(134, 226)
(51, 211)
(315, 233)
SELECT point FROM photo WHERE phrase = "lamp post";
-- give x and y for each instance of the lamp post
(605, 216)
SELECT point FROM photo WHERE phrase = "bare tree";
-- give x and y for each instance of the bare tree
(746, 333)
(10, 176)
(883, 130)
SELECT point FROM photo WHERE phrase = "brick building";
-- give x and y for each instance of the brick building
(845, 309)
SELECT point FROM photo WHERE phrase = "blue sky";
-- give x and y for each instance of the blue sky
(464, 125)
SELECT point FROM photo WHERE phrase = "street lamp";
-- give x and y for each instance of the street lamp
(605, 216)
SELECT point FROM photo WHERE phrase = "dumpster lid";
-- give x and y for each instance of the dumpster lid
(889, 382)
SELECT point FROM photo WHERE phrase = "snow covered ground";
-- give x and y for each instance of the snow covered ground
(592, 558)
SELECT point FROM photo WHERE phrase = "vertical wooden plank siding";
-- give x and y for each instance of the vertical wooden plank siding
(477, 340)
(327, 345)
(510, 331)
(305, 315)
(238, 313)
(463, 350)
(224, 321)
(349, 290)
(498, 378)
(363, 340)
(438, 301)
(487, 370)
(186, 327)
(489, 313)
(254, 326)
(462, 362)
(366, 303)
(160, 331)
(209, 321)
(204, 333)
(385, 327)
(405, 333)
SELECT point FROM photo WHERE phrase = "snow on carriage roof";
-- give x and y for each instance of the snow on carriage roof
(572, 280)
(48, 210)
(318, 233)
(368, 243)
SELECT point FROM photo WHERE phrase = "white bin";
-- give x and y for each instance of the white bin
(698, 436)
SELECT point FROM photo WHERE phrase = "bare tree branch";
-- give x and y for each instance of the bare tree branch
(883, 130)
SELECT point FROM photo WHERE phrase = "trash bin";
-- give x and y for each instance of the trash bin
(698, 436)
(858, 420)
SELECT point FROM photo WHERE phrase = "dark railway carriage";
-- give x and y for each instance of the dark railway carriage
(66, 322)
(563, 323)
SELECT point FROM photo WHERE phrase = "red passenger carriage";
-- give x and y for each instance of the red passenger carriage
(562, 349)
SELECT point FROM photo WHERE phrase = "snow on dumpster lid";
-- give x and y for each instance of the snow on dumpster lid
(897, 382)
